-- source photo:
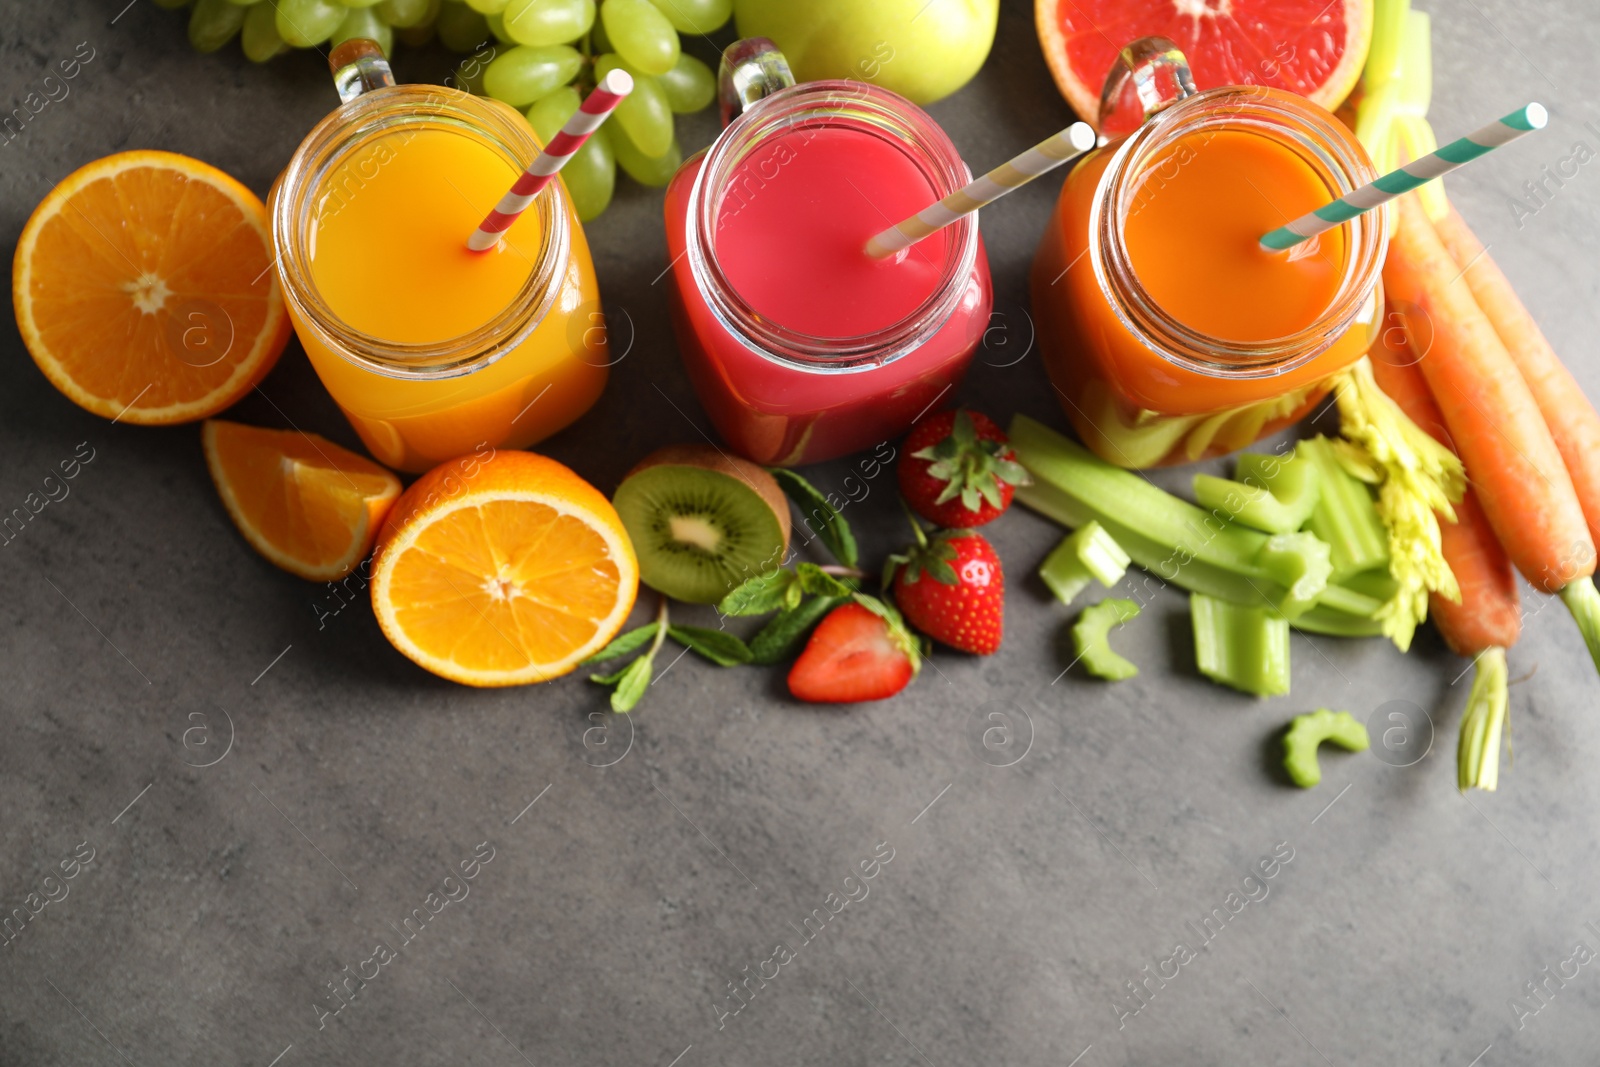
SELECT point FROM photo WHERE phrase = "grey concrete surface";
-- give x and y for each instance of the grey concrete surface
(267, 798)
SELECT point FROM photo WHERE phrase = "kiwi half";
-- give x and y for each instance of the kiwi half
(702, 522)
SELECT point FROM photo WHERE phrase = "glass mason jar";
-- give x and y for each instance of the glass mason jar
(533, 367)
(784, 397)
(1141, 387)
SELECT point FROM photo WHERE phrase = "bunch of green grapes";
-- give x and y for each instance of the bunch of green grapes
(539, 56)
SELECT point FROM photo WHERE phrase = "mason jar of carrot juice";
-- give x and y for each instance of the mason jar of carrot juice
(1168, 332)
(431, 350)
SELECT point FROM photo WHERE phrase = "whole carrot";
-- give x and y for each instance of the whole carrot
(1487, 619)
(1494, 421)
(1571, 417)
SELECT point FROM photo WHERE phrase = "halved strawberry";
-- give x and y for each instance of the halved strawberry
(952, 589)
(860, 651)
(958, 469)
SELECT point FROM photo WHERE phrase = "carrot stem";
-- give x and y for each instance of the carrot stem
(1483, 721)
(1581, 598)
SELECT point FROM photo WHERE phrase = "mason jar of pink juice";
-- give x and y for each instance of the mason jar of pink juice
(800, 346)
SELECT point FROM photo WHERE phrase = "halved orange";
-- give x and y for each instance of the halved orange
(501, 569)
(1312, 47)
(306, 504)
(144, 288)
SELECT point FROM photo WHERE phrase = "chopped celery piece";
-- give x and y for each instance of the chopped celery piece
(1478, 753)
(1305, 558)
(1243, 647)
(1270, 494)
(1345, 515)
(1172, 538)
(1088, 552)
(1089, 637)
(1310, 730)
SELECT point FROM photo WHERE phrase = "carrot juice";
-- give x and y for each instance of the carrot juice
(1169, 332)
(432, 350)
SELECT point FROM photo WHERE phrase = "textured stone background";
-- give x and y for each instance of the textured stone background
(221, 899)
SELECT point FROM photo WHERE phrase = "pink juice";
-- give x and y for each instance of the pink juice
(825, 351)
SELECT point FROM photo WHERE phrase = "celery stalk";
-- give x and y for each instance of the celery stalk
(1266, 493)
(1478, 753)
(1087, 553)
(1243, 647)
(1177, 541)
(1345, 515)
(1089, 637)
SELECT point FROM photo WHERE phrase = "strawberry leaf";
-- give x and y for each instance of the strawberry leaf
(820, 516)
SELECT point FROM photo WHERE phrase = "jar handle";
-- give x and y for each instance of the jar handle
(359, 67)
(1160, 76)
(751, 69)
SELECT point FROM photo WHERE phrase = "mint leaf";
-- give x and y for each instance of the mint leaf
(780, 638)
(759, 595)
(818, 582)
(634, 680)
(821, 517)
(621, 646)
(718, 646)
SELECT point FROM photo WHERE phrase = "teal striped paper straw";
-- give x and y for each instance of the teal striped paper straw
(1455, 154)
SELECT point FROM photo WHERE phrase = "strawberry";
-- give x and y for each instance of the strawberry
(952, 589)
(860, 651)
(958, 470)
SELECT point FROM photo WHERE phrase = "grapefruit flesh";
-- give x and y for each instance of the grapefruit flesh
(1312, 47)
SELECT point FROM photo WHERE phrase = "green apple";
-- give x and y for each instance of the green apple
(922, 49)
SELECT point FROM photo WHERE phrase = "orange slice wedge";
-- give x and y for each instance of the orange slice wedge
(144, 289)
(306, 504)
(503, 569)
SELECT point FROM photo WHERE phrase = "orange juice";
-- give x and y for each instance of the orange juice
(432, 350)
(1169, 333)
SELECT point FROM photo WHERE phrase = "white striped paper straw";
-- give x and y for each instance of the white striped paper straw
(1069, 144)
(594, 110)
(1417, 172)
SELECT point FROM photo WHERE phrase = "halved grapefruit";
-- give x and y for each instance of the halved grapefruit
(1312, 47)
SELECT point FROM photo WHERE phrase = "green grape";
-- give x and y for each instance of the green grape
(403, 14)
(260, 37)
(213, 23)
(360, 3)
(689, 85)
(243, 3)
(591, 176)
(461, 29)
(307, 23)
(539, 22)
(488, 7)
(363, 22)
(548, 114)
(655, 171)
(521, 75)
(640, 34)
(497, 26)
(696, 16)
(644, 113)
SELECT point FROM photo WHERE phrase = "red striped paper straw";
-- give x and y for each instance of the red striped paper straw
(563, 146)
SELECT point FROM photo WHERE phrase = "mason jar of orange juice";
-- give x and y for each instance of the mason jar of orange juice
(1168, 332)
(431, 350)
